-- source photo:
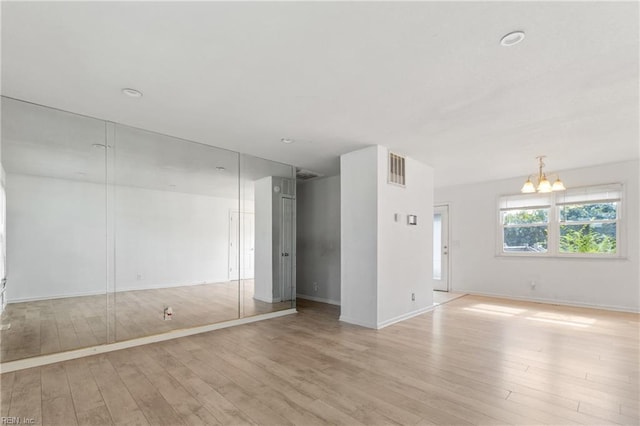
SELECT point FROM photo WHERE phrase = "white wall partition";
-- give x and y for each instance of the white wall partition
(386, 262)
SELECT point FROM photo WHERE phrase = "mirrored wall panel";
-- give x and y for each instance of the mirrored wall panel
(55, 173)
(266, 220)
(112, 233)
(173, 240)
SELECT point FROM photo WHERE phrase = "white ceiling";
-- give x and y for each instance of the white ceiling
(427, 79)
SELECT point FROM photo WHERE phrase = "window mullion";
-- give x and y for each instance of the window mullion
(554, 229)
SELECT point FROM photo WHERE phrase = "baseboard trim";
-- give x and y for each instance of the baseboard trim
(406, 316)
(318, 299)
(41, 360)
(552, 301)
(357, 322)
(267, 299)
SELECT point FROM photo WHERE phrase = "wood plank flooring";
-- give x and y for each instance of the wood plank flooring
(473, 360)
(49, 326)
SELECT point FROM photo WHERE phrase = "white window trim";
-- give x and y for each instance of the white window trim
(553, 229)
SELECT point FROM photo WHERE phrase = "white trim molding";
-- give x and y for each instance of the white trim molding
(318, 299)
(39, 361)
(406, 316)
(553, 301)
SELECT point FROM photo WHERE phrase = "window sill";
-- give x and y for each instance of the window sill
(560, 256)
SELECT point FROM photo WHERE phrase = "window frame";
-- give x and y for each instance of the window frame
(555, 222)
(525, 225)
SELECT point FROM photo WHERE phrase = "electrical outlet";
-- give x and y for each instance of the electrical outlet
(315, 286)
(139, 277)
(533, 285)
(413, 297)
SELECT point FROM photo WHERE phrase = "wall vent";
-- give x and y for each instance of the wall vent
(302, 174)
(397, 170)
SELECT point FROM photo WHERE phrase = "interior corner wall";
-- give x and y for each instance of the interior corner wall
(318, 240)
(405, 252)
(359, 237)
(475, 267)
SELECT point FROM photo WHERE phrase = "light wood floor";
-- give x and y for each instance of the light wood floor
(441, 297)
(54, 325)
(473, 360)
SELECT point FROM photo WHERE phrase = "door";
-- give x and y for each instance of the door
(441, 248)
(286, 249)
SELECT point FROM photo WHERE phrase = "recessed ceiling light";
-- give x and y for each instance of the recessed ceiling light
(132, 93)
(287, 141)
(512, 38)
(220, 169)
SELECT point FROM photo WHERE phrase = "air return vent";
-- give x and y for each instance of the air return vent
(302, 174)
(396, 169)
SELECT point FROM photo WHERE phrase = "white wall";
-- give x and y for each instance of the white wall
(405, 260)
(56, 238)
(318, 240)
(359, 237)
(166, 238)
(264, 240)
(475, 268)
(384, 261)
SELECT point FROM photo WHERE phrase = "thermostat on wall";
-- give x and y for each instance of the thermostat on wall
(412, 219)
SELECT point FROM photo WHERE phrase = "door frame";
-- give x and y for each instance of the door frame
(292, 249)
(448, 231)
(238, 234)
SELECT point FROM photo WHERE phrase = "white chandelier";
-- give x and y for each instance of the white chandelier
(542, 184)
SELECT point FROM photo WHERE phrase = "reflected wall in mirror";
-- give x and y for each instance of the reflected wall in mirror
(108, 225)
(55, 167)
(267, 218)
(173, 199)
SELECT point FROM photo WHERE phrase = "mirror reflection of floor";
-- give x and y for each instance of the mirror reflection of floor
(55, 325)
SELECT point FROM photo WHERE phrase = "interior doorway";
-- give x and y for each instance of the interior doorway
(441, 248)
(242, 231)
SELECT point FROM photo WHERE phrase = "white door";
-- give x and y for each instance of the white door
(244, 225)
(441, 248)
(286, 248)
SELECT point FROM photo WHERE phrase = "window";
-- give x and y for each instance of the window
(589, 220)
(524, 223)
(576, 222)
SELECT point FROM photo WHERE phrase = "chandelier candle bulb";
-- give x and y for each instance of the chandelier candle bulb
(543, 184)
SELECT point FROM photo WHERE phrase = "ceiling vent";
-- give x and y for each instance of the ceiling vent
(302, 174)
(397, 170)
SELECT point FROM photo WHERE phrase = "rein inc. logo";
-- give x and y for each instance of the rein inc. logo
(17, 421)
